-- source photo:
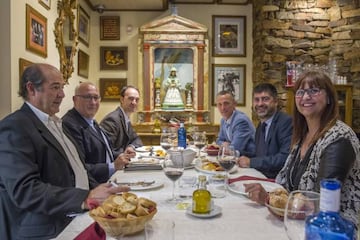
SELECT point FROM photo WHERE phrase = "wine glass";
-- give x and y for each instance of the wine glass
(173, 167)
(199, 140)
(299, 206)
(227, 160)
(165, 140)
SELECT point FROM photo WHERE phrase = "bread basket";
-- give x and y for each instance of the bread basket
(123, 226)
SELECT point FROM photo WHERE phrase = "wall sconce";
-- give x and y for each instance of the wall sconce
(129, 28)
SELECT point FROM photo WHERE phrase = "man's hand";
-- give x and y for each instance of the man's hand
(243, 162)
(121, 161)
(131, 151)
(101, 192)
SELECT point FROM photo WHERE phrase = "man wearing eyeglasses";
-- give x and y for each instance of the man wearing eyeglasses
(273, 134)
(93, 142)
(117, 124)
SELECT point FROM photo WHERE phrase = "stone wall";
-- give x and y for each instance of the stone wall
(311, 32)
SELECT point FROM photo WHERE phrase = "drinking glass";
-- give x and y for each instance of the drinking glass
(173, 167)
(227, 160)
(199, 140)
(299, 206)
(166, 141)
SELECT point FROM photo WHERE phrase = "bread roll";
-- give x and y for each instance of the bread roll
(147, 203)
(141, 211)
(131, 198)
(278, 198)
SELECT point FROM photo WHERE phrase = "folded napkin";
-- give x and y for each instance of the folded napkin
(243, 178)
(92, 232)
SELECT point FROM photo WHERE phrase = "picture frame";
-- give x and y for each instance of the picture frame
(229, 36)
(233, 2)
(45, 3)
(83, 26)
(36, 32)
(110, 88)
(113, 58)
(23, 64)
(109, 27)
(230, 77)
(194, 1)
(83, 64)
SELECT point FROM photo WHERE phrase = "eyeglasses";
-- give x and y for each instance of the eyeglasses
(89, 97)
(310, 91)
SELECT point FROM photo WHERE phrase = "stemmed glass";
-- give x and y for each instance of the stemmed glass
(299, 206)
(173, 167)
(227, 160)
(199, 140)
(165, 140)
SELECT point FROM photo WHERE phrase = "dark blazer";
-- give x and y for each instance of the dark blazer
(37, 183)
(115, 127)
(91, 144)
(278, 146)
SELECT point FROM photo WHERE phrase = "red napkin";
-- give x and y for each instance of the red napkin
(92, 232)
(243, 178)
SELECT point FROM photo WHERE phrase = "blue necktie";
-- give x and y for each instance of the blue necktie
(260, 141)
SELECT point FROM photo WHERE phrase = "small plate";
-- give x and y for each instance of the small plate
(213, 213)
(199, 168)
(238, 187)
(134, 187)
(147, 148)
(278, 212)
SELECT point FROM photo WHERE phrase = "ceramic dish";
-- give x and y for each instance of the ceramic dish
(213, 213)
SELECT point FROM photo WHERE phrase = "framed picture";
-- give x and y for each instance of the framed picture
(45, 3)
(113, 58)
(23, 63)
(229, 36)
(36, 32)
(109, 27)
(194, 1)
(233, 2)
(83, 64)
(229, 77)
(83, 26)
(110, 88)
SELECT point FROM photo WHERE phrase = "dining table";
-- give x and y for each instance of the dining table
(240, 218)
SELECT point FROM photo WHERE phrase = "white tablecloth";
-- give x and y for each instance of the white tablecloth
(240, 218)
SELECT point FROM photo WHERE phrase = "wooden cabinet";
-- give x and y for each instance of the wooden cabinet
(345, 102)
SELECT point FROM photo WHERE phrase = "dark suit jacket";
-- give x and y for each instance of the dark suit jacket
(278, 146)
(91, 144)
(36, 180)
(115, 127)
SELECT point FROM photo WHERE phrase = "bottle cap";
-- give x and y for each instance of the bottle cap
(202, 178)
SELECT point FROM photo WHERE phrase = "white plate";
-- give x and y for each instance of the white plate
(147, 148)
(214, 212)
(156, 184)
(238, 187)
(233, 170)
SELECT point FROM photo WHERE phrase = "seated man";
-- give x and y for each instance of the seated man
(43, 178)
(93, 143)
(273, 147)
(236, 129)
(117, 124)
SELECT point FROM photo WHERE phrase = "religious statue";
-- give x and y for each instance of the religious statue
(173, 98)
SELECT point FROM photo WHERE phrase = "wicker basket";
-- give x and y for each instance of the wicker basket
(123, 226)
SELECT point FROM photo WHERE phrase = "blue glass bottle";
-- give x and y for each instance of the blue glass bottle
(328, 224)
(182, 136)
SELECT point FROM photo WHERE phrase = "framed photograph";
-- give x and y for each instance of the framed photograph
(23, 63)
(194, 1)
(109, 27)
(110, 88)
(229, 77)
(113, 58)
(36, 32)
(233, 2)
(83, 26)
(83, 64)
(229, 36)
(45, 3)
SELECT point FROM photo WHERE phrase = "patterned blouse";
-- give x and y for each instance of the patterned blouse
(350, 192)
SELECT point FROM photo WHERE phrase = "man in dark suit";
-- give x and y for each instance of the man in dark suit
(273, 134)
(236, 129)
(42, 177)
(117, 124)
(92, 141)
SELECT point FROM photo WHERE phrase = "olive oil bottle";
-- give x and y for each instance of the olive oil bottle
(201, 199)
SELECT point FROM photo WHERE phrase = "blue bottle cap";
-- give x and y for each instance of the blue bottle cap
(330, 184)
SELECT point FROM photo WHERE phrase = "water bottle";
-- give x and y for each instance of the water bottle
(328, 223)
(182, 136)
